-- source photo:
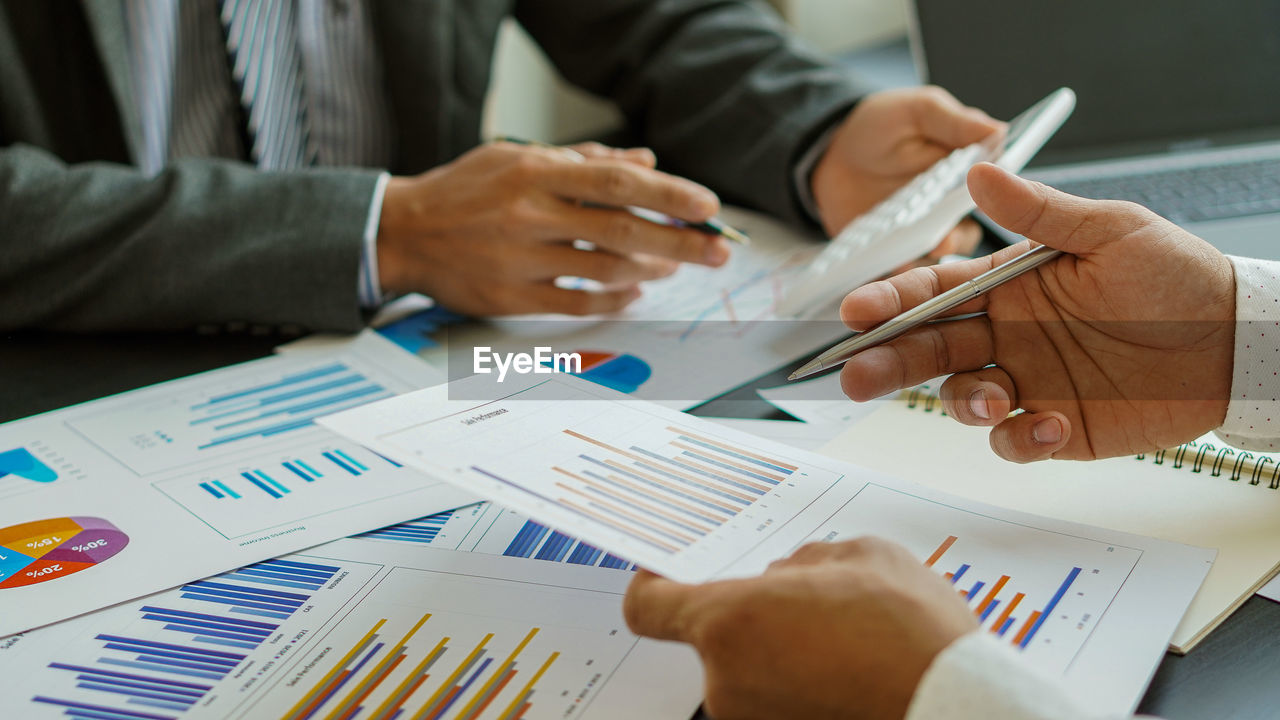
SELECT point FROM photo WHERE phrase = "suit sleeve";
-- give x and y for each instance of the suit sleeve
(97, 246)
(720, 90)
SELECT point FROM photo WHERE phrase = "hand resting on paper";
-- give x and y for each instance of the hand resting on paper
(1124, 345)
(841, 629)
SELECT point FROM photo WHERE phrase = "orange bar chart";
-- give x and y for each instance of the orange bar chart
(991, 600)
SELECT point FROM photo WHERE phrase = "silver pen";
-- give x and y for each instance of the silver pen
(929, 310)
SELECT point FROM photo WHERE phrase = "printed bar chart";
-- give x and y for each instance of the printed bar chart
(1042, 599)
(339, 695)
(438, 646)
(182, 650)
(292, 402)
(160, 431)
(288, 475)
(989, 603)
(666, 496)
(423, 530)
(535, 540)
(305, 482)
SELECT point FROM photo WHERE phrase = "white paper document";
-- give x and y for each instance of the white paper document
(368, 628)
(117, 498)
(694, 501)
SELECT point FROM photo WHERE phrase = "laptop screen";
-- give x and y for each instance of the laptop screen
(1149, 74)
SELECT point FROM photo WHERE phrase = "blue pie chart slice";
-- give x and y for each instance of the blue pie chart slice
(22, 463)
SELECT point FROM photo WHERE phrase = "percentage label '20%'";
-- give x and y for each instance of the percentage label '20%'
(46, 550)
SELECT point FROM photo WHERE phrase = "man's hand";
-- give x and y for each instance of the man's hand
(838, 630)
(1124, 345)
(489, 233)
(889, 138)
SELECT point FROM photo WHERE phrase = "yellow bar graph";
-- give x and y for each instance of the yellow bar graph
(524, 691)
(309, 699)
(344, 707)
(497, 675)
(403, 690)
(453, 678)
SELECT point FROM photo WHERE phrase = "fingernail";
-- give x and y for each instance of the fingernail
(978, 404)
(1047, 432)
(717, 253)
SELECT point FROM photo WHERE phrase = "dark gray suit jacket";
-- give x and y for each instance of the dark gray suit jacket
(87, 242)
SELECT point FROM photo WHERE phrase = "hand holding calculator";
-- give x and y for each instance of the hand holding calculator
(914, 219)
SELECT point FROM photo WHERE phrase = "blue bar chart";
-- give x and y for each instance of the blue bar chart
(292, 402)
(422, 531)
(254, 410)
(309, 481)
(535, 540)
(185, 642)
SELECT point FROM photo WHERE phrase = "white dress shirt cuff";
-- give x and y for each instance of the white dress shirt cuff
(802, 174)
(370, 284)
(1253, 415)
(979, 676)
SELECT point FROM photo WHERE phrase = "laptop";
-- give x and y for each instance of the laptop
(1178, 100)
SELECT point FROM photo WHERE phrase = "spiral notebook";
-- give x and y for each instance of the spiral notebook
(1202, 493)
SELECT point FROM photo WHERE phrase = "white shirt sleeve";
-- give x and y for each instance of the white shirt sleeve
(369, 283)
(1253, 415)
(978, 677)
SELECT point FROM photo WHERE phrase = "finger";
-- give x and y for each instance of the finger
(641, 156)
(624, 233)
(948, 122)
(1049, 216)
(985, 397)
(552, 261)
(549, 298)
(920, 355)
(614, 183)
(962, 240)
(1030, 436)
(876, 302)
(657, 607)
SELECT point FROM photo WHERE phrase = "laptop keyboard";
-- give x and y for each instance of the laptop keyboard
(1193, 194)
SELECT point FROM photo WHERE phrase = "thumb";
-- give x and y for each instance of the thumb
(657, 607)
(1051, 217)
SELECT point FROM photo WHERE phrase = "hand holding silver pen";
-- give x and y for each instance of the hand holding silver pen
(928, 311)
(1122, 344)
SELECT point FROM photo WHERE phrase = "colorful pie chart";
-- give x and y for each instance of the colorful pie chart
(45, 550)
(619, 371)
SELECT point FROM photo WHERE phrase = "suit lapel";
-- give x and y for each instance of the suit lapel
(106, 22)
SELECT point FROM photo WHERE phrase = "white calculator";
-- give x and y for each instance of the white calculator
(912, 221)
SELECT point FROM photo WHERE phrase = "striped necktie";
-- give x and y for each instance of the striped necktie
(262, 41)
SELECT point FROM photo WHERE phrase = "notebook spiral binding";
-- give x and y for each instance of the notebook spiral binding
(1243, 464)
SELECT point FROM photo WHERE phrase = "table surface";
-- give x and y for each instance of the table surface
(1227, 676)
